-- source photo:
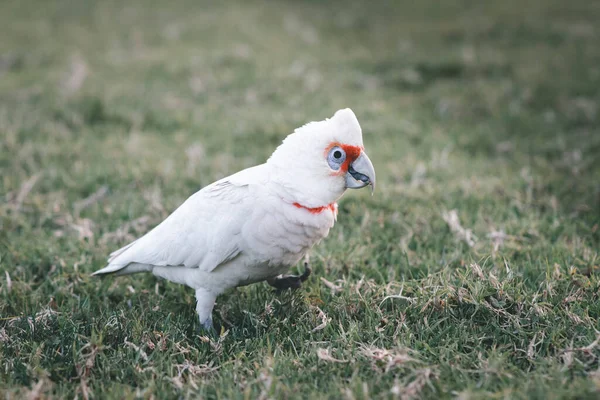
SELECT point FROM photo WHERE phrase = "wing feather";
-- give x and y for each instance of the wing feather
(204, 232)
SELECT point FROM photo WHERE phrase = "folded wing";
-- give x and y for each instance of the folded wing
(204, 232)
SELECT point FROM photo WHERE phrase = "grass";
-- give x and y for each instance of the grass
(471, 273)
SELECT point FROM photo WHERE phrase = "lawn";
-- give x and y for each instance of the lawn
(473, 271)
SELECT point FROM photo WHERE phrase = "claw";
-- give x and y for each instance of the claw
(284, 282)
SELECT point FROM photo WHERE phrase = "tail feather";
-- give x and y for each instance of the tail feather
(117, 253)
(122, 267)
(119, 270)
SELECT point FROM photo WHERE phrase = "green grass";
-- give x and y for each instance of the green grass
(110, 116)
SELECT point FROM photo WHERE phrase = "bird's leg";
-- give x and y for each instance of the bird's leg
(205, 301)
(283, 282)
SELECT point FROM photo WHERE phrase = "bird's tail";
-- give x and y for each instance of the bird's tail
(122, 266)
(129, 269)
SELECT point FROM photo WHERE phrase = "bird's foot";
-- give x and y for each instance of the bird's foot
(283, 282)
(207, 328)
(207, 325)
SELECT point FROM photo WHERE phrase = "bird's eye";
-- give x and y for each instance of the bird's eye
(336, 158)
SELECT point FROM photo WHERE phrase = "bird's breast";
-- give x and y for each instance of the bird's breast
(282, 233)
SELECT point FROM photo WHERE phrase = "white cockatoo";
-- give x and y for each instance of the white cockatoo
(256, 224)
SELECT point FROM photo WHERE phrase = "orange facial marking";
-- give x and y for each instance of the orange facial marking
(318, 210)
(352, 153)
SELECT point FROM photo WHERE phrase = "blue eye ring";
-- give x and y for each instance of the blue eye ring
(336, 157)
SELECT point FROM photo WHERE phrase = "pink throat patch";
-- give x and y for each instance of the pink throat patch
(317, 210)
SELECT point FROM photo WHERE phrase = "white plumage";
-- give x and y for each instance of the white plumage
(256, 224)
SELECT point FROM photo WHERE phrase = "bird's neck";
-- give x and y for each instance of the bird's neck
(318, 210)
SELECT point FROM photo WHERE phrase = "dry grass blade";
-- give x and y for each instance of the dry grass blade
(24, 191)
(325, 355)
(414, 389)
(137, 348)
(334, 288)
(466, 235)
(8, 282)
(194, 370)
(77, 75)
(324, 319)
(587, 349)
(398, 296)
(36, 392)
(90, 200)
(388, 358)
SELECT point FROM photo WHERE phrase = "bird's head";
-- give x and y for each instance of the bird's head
(319, 161)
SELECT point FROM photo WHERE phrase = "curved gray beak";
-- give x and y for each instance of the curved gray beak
(361, 173)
